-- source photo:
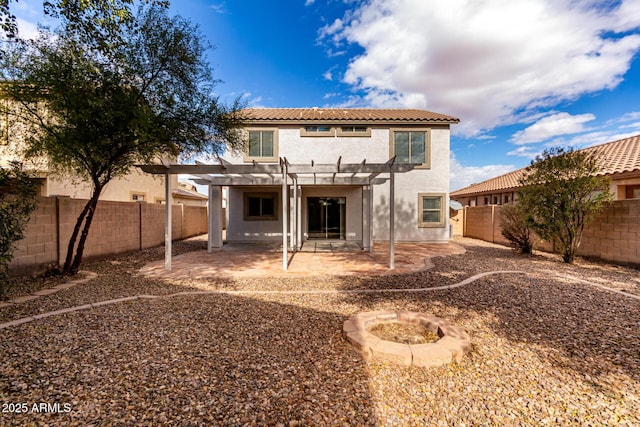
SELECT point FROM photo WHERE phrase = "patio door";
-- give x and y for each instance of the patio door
(326, 217)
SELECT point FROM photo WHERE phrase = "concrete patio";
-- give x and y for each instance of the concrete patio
(315, 258)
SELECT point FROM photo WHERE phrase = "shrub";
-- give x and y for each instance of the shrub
(17, 201)
(516, 228)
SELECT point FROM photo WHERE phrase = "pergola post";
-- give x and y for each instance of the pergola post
(366, 217)
(167, 221)
(285, 217)
(299, 217)
(370, 213)
(215, 218)
(392, 220)
(294, 221)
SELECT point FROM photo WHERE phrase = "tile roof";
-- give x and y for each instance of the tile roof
(315, 114)
(621, 156)
(182, 192)
(502, 182)
(618, 156)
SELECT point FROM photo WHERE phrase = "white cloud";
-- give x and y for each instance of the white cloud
(220, 8)
(309, 2)
(594, 138)
(489, 62)
(526, 151)
(27, 29)
(550, 126)
(252, 101)
(634, 125)
(331, 30)
(627, 117)
(463, 176)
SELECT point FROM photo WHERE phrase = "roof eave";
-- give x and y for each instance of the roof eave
(274, 122)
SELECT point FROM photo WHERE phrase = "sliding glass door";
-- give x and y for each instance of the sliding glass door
(326, 217)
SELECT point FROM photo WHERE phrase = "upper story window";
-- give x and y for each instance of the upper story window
(411, 146)
(354, 131)
(263, 145)
(317, 130)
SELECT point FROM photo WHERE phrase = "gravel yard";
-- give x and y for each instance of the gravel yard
(549, 348)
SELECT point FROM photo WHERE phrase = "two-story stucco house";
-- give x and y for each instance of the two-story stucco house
(353, 175)
(336, 202)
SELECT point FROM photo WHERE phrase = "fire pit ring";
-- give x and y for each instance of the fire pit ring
(454, 342)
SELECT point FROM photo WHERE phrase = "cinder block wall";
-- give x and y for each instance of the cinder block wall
(152, 224)
(613, 235)
(117, 227)
(194, 217)
(40, 245)
(483, 222)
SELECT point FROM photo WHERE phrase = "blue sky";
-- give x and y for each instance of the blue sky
(521, 76)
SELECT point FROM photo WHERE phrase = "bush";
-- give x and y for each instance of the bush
(17, 201)
(515, 228)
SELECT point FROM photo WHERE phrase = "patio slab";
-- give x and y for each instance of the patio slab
(333, 258)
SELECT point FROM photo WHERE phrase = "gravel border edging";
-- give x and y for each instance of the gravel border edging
(606, 288)
(89, 275)
(239, 292)
(303, 292)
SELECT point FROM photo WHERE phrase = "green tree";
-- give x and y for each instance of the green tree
(87, 16)
(97, 23)
(17, 201)
(562, 192)
(97, 109)
(7, 19)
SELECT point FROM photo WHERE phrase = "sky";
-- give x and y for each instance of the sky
(522, 76)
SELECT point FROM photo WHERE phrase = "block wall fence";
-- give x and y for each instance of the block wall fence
(117, 227)
(613, 235)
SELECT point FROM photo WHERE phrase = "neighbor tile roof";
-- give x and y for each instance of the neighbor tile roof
(621, 156)
(182, 192)
(296, 115)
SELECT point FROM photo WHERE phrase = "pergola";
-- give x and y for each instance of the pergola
(287, 175)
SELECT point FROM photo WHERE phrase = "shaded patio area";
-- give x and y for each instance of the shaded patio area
(315, 258)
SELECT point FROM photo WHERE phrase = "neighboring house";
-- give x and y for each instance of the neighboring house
(337, 162)
(135, 186)
(187, 194)
(619, 160)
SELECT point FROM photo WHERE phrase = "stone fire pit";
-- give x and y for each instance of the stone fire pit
(451, 346)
